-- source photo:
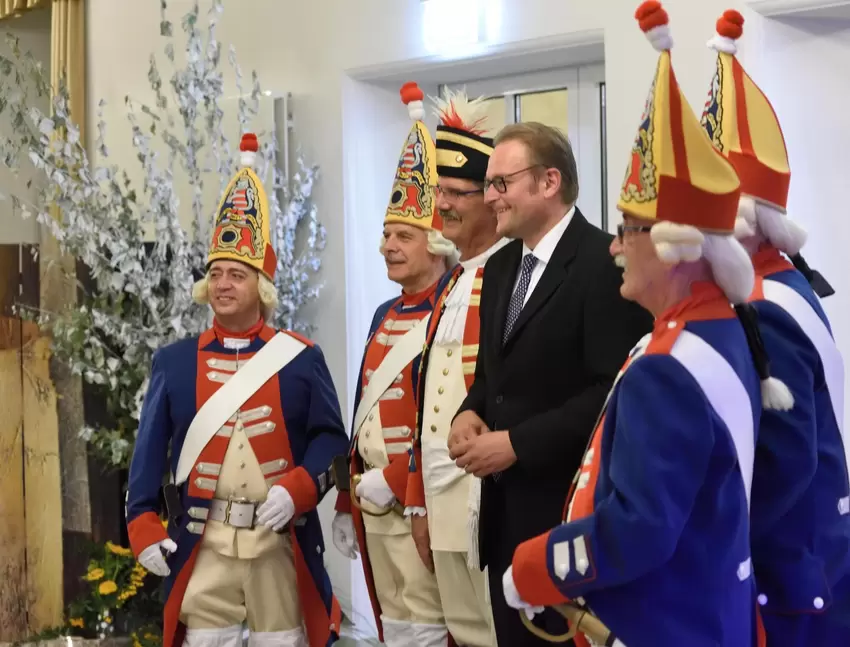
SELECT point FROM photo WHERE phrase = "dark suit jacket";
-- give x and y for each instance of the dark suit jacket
(548, 383)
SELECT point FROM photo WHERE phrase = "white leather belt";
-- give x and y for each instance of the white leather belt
(239, 513)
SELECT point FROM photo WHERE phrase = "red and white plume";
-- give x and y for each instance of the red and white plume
(457, 110)
(730, 27)
(653, 20)
(412, 96)
(248, 148)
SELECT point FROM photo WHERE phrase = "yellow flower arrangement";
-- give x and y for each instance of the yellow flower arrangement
(116, 599)
(94, 574)
(118, 550)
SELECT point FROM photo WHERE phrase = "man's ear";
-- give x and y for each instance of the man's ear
(553, 183)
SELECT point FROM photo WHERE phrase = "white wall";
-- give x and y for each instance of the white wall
(804, 65)
(344, 62)
(33, 32)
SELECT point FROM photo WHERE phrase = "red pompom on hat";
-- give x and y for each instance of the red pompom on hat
(730, 24)
(729, 27)
(248, 147)
(249, 143)
(653, 21)
(412, 96)
(410, 91)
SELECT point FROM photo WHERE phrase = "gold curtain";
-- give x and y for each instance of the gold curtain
(68, 55)
(11, 8)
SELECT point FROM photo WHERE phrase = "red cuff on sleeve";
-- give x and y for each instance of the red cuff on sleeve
(396, 476)
(415, 495)
(343, 502)
(531, 575)
(301, 488)
(145, 530)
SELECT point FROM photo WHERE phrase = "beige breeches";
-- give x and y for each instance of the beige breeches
(465, 599)
(225, 591)
(407, 591)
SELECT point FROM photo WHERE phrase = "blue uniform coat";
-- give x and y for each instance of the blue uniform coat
(309, 435)
(800, 522)
(657, 542)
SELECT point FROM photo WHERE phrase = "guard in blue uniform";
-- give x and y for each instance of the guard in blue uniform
(253, 422)
(655, 545)
(800, 526)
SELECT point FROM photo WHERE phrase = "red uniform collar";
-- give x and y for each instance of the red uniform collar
(221, 332)
(419, 297)
(769, 260)
(706, 301)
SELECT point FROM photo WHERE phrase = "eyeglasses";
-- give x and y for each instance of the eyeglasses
(637, 229)
(453, 194)
(499, 182)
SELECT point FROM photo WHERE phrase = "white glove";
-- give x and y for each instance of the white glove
(374, 488)
(512, 595)
(344, 536)
(152, 559)
(277, 509)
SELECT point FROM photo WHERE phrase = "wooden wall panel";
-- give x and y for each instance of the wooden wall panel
(42, 483)
(13, 592)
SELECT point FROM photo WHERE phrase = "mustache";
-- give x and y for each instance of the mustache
(620, 261)
(448, 214)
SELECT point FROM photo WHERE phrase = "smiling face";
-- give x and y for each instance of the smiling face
(405, 250)
(515, 208)
(466, 217)
(645, 276)
(234, 292)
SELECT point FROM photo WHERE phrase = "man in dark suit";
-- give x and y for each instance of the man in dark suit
(554, 333)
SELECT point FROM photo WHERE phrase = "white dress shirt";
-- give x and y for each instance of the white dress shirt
(453, 321)
(543, 253)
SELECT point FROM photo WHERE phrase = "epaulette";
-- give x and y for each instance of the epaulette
(309, 342)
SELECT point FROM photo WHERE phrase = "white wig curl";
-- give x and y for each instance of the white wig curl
(779, 230)
(730, 263)
(734, 273)
(438, 245)
(268, 294)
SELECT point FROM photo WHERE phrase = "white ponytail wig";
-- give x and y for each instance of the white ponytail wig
(779, 230)
(733, 272)
(729, 261)
(268, 294)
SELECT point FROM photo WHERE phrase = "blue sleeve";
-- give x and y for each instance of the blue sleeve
(787, 440)
(150, 454)
(662, 444)
(326, 437)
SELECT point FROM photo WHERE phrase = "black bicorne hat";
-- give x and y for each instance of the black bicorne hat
(463, 150)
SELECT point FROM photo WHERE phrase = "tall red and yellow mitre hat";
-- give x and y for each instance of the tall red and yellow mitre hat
(675, 174)
(412, 201)
(242, 231)
(742, 124)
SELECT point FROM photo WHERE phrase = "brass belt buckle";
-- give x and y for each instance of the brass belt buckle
(228, 510)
